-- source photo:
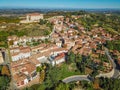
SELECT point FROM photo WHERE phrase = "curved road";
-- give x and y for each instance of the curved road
(76, 78)
(113, 74)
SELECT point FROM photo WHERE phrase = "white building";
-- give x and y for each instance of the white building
(59, 43)
(59, 50)
(33, 17)
(20, 53)
(58, 59)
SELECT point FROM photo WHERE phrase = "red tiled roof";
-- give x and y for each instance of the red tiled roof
(60, 56)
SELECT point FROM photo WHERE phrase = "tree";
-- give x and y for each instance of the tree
(34, 87)
(86, 85)
(4, 82)
(42, 22)
(78, 58)
(94, 74)
(109, 84)
(81, 67)
(62, 86)
(5, 71)
(52, 77)
(41, 70)
(41, 87)
(42, 76)
(47, 32)
(71, 57)
(109, 45)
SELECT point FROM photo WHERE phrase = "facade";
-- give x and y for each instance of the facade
(34, 17)
(60, 58)
(59, 50)
(20, 53)
(20, 56)
(59, 43)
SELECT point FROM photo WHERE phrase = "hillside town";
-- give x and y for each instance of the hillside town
(63, 39)
(27, 53)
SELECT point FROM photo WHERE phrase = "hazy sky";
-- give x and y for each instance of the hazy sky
(61, 3)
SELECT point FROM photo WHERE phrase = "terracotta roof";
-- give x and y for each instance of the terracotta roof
(21, 50)
(59, 49)
(62, 55)
(33, 60)
(19, 69)
(39, 46)
(18, 77)
(15, 54)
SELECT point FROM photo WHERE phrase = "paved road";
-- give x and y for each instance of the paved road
(113, 74)
(116, 71)
(76, 78)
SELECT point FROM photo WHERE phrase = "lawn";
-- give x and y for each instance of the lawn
(67, 70)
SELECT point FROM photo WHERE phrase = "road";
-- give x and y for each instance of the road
(76, 78)
(113, 74)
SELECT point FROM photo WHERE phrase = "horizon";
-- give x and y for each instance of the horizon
(60, 8)
(53, 4)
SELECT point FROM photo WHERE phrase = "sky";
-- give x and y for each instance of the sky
(60, 3)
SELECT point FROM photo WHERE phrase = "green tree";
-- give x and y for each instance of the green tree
(94, 73)
(71, 57)
(62, 86)
(78, 58)
(4, 82)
